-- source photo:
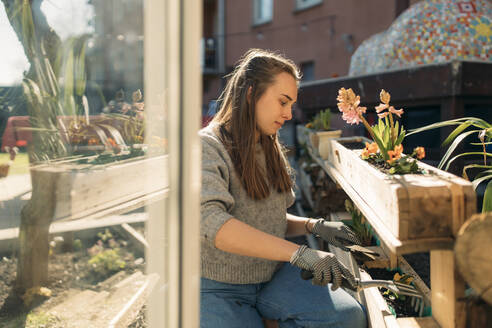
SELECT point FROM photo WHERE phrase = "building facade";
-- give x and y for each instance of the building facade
(319, 35)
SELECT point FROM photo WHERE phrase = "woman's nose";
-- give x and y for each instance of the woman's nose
(287, 114)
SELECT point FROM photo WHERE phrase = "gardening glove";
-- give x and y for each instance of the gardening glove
(335, 233)
(323, 265)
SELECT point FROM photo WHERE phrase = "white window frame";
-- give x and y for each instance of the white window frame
(305, 4)
(173, 90)
(262, 11)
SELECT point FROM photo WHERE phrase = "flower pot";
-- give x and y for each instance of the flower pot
(83, 189)
(409, 207)
(320, 141)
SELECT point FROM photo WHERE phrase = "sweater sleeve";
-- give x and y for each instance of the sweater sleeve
(216, 200)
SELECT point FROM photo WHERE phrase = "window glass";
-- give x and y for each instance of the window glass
(303, 4)
(263, 11)
(85, 115)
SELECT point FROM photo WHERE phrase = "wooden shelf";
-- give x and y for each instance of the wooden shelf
(391, 243)
(446, 296)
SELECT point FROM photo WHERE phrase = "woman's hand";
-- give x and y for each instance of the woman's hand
(335, 233)
(323, 265)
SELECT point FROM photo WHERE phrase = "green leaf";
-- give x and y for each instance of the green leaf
(483, 173)
(400, 137)
(464, 154)
(479, 143)
(382, 148)
(477, 122)
(453, 147)
(487, 198)
(456, 132)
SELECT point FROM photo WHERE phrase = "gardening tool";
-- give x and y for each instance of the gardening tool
(417, 299)
(362, 254)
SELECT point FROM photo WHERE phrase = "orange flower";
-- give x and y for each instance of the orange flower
(112, 142)
(420, 151)
(92, 141)
(371, 148)
(395, 153)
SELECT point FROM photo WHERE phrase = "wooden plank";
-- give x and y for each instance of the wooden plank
(136, 239)
(116, 307)
(130, 310)
(378, 313)
(447, 287)
(464, 206)
(421, 83)
(109, 217)
(426, 322)
(81, 192)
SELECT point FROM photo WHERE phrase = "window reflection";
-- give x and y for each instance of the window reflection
(74, 160)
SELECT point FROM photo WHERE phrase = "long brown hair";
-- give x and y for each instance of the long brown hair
(237, 122)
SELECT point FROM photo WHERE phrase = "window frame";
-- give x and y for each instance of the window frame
(306, 4)
(172, 78)
(261, 20)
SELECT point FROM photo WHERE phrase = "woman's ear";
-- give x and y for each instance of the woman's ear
(248, 94)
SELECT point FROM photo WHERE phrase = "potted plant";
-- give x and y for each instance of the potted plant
(320, 132)
(414, 205)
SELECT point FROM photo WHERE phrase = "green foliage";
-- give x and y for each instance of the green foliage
(105, 236)
(77, 245)
(106, 262)
(358, 225)
(41, 319)
(321, 121)
(484, 134)
(383, 137)
(55, 83)
(404, 166)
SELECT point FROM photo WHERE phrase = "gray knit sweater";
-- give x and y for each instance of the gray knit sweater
(223, 197)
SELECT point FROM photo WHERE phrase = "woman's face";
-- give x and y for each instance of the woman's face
(275, 105)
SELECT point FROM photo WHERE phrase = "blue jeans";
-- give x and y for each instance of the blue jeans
(287, 298)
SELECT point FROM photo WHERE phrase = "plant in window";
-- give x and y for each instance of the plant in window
(483, 131)
(386, 151)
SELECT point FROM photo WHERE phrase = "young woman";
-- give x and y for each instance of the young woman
(249, 271)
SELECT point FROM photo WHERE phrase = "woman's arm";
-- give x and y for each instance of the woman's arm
(296, 225)
(240, 238)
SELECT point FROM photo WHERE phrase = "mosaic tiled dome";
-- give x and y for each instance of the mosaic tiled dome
(430, 31)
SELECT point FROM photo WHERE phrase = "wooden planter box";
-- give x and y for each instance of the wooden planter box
(410, 207)
(81, 190)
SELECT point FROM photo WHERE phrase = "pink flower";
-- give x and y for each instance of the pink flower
(381, 107)
(385, 98)
(395, 111)
(348, 104)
